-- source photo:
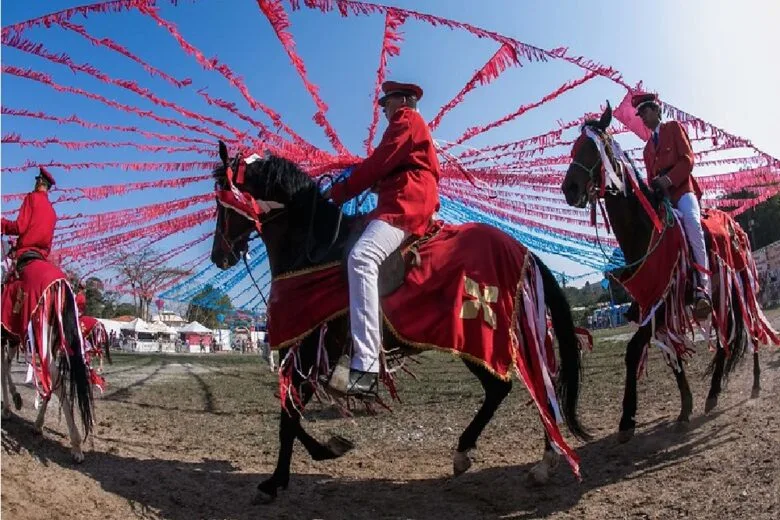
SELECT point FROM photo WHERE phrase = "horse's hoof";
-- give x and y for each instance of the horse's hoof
(266, 493)
(77, 455)
(540, 473)
(710, 404)
(625, 435)
(262, 498)
(461, 462)
(756, 392)
(6, 413)
(682, 425)
(17, 401)
(338, 445)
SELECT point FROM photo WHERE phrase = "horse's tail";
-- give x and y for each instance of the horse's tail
(107, 343)
(79, 389)
(570, 374)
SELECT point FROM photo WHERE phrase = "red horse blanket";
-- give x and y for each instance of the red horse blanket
(665, 275)
(477, 293)
(32, 303)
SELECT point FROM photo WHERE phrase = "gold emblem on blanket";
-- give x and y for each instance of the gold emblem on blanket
(482, 300)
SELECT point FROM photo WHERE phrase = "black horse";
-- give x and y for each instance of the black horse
(633, 228)
(292, 238)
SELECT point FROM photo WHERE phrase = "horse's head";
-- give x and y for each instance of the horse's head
(251, 192)
(585, 175)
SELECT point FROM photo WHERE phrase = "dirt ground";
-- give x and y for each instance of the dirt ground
(187, 437)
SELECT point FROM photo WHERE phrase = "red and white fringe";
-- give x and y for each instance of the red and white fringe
(538, 376)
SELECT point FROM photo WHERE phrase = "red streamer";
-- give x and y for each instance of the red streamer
(111, 44)
(74, 119)
(100, 223)
(38, 49)
(124, 166)
(391, 46)
(46, 79)
(505, 57)
(66, 14)
(477, 130)
(224, 70)
(277, 16)
(155, 232)
(85, 145)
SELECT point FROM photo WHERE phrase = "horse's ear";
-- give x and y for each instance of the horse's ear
(606, 117)
(223, 153)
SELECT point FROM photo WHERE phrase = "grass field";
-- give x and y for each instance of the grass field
(190, 436)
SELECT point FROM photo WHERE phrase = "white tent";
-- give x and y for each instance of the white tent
(111, 325)
(158, 327)
(137, 325)
(195, 328)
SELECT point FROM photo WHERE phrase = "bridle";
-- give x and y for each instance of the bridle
(598, 187)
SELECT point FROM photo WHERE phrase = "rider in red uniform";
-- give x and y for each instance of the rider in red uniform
(35, 223)
(669, 161)
(404, 171)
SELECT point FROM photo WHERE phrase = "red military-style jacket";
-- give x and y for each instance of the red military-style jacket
(673, 157)
(34, 225)
(404, 172)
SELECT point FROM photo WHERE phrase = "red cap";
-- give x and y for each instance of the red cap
(46, 175)
(641, 100)
(393, 88)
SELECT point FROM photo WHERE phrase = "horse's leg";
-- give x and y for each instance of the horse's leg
(38, 425)
(633, 356)
(718, 364)
(5, 379)
(290, 428)
(67, 410)
(756, 391)
(540, 473)
(686, 398)
(495, 392)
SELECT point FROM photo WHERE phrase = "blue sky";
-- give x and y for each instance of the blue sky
(713, 59)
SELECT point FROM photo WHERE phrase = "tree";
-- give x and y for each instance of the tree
(93, 290)
(207, 304)
(765, 217)
(143, 274)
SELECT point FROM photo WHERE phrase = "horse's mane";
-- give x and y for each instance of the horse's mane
(281, 176)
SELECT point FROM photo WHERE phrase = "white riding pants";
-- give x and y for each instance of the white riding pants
(372, 248)
(689, 209)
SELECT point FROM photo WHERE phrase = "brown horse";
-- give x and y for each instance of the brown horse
(599, 170)
(292, 237)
